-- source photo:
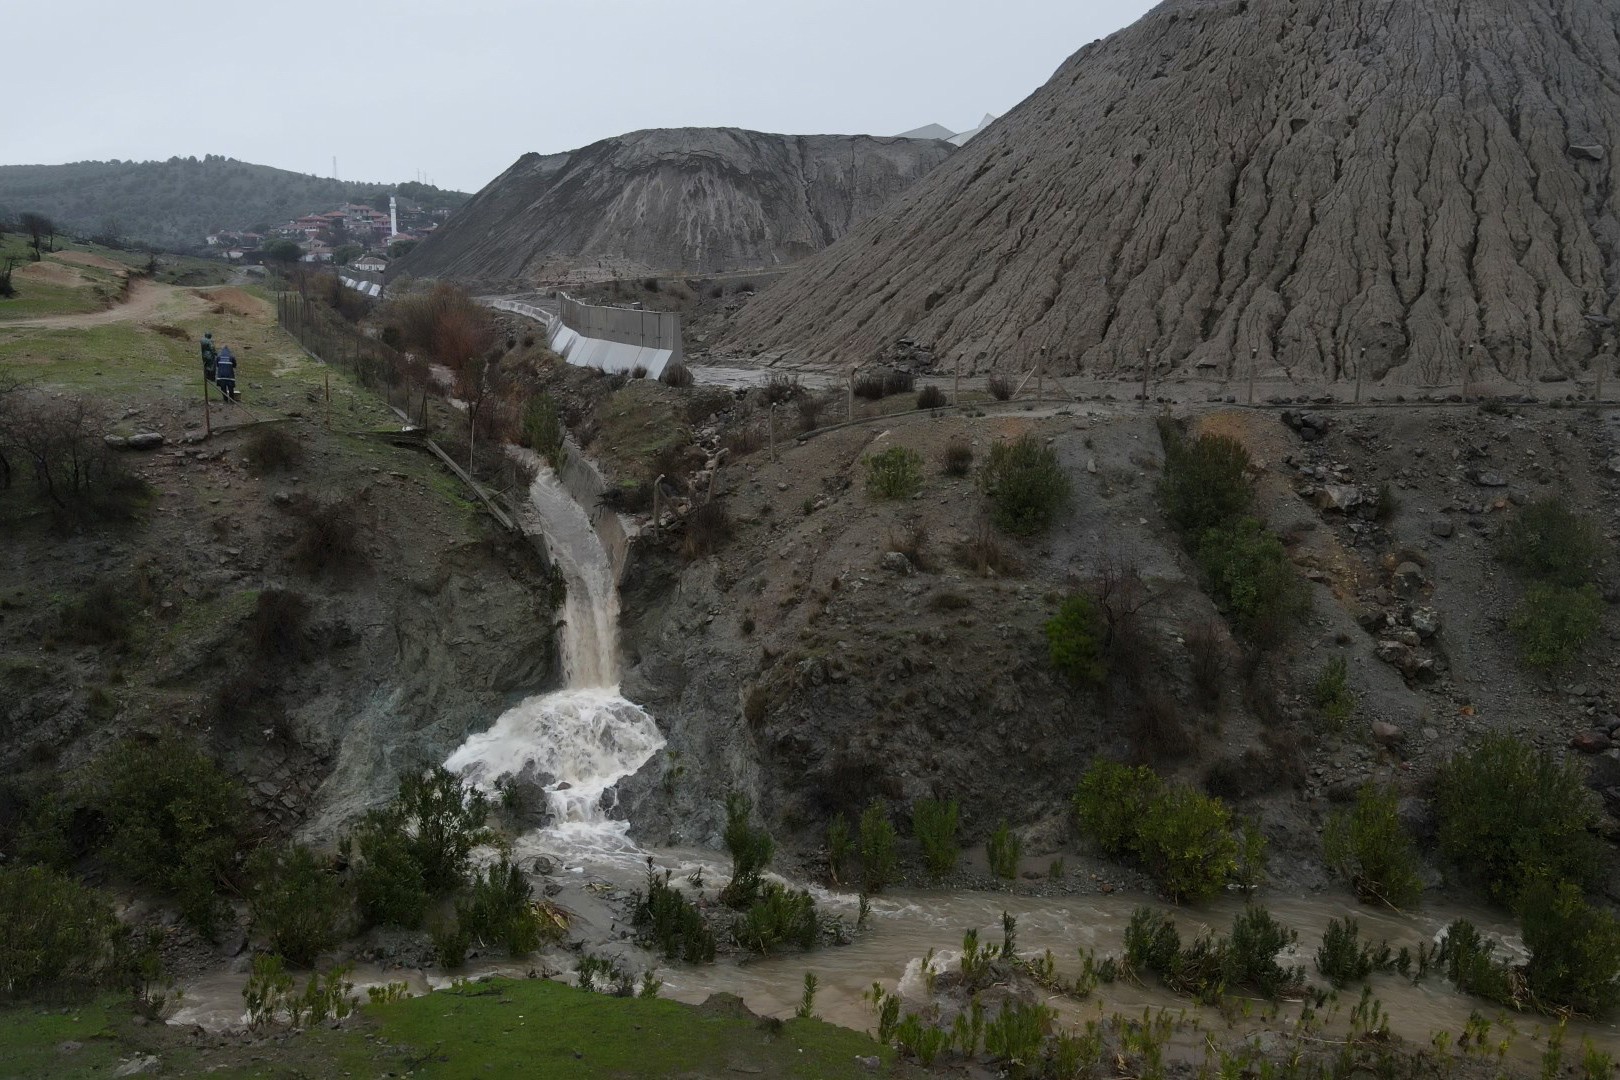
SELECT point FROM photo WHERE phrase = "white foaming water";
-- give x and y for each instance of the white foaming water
(587, 737)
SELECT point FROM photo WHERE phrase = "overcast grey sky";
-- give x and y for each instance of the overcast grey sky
(458, 90)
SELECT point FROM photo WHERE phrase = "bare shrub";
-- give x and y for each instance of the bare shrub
(1240, 777)
(985, 554)
(869, 387)
(999, 387)
(949, 601)
(743, 439)
(958, 457)
(60, 440)
(678, 376)
(898, 382)
(931, 397)
(639, 371)
(276, 627)
(1207, 653)
(912, 543)
(328, 539)
(780, 389)
(272, 447)
(1157, 733)
(811, 407)
(99, 617)
(708, 527)
(755, 704)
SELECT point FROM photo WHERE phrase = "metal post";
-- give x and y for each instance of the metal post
(771, 424)
(1147, 367)
(1603, 364)
(849, 391)
(1254, 362)
(208, 420)
(1468, 371)
(1361, 362)
(956, 386)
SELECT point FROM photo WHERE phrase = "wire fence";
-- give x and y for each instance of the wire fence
(402, 381)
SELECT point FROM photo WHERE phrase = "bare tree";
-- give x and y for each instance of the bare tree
(38, 227)
(7, 289)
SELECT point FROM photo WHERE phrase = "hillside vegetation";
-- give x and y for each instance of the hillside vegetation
(176, 203)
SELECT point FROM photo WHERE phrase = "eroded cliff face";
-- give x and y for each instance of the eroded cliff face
(679, 199)
(1305, 178)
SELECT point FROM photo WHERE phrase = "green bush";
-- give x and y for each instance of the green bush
(1016, 1034)
(1110, 801)
(1076, 640)
(297, 901)
(671, 922)
(1574, 950)
(1252, 948)
(895, 473)
(751, 850)
(543, 430)
(879, 863)
(499, 910)
(450, 943)
(1371, 850)
(172, 821)
(1003, 851)
(934, 821)
(1552, 624)
(838, 847)
(1210, 965)
(778, 916)
(1185, 841)
(1026, 486)
(1205, 483)
(54, 933)
(1510, 816)
(1334, 698)
(1251, 577)
(1470, 962)
(388, 886)
(1343, 958)
(958, 459)
(1548, 542)
(418, 847)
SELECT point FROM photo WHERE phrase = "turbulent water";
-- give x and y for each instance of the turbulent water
(582, 740)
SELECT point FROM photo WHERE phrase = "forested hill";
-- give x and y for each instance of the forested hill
(176, 203)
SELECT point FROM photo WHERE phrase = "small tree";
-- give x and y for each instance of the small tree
(298, 902)
(543, 429)
(1371, 850)
(1574, 949)
(751, 849)
(282, 251)
(1110, 801)
(879, 863)
(1185, 841)
(895, 473)
(1206, 481)
(934, 821)
(38, 227)
(1075, 641)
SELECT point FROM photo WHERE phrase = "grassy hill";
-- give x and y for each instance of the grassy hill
(175, 203)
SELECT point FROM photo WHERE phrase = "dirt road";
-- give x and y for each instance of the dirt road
(145, 298)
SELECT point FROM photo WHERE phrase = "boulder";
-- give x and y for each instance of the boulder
(1490, 479)
(1444, 528)
(1426, 621)
(1386, 734)
(115, 442)
(1338, 497)
(897, 563)
(1590, 742)
(145, 440)
(1408, 580)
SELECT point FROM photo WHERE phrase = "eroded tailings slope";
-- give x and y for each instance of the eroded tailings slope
(1303, 177)
(694, 199)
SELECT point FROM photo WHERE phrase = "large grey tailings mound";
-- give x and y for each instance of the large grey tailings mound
(1303, 177)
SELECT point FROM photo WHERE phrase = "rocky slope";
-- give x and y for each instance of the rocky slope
(680, 199)
(1305, 178)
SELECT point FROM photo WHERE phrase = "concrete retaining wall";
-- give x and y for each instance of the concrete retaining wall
(611, 339)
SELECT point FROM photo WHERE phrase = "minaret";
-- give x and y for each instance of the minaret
(393, 216)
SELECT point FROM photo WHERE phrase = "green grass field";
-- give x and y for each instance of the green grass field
(532, 1028)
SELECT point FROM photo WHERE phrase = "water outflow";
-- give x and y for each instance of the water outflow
(582, 740)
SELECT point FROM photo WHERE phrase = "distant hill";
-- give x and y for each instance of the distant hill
(702, 200)
(175, 203)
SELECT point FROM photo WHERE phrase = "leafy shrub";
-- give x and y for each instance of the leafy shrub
(328, 539)
(1075, 639)
(1553, 623)
(54, 933)
(999, 387)
(1026, 486)
(671, 922)
(1208, 657)
(777, 916)
(1574, 949)
(269, 995)
(543, 430)
(499, 909)
(1205, 484)
(1003, 851)
(879, 863)
(1549, 542)
(1343, 958)
(985, 555)
(1253, 946)
(1370, 849)
(172, 821)
(1016, 1034)
(838, 847)
(272, 448)
(1110, 801)
(708, 527)
(895, 473)
(934, 821)
(419, 846)
(1510, 815)
(297, 901)
(958, 457)
(1185, 841)
(1332, 693)
(1156, 731)
(931, 397)
(751, 850)
(1470, 962)
(1251, 577)
(1207, 967)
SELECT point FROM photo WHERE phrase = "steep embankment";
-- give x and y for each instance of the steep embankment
(692, 199)
(1303, 177)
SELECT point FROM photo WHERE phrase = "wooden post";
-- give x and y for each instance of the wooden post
(1254, 362)
(850, 393)
(328, 401)
(658, 487)
(956, 386)
(1040, 377)
(1468, 371)
(208, 420)
(1147, 367)
(1361, 362)
(1603, 365)
(771, 427)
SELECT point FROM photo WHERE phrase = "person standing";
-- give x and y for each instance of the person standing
(210, 356)
(225, 374)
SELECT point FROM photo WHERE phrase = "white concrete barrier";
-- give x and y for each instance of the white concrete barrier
(611, 339)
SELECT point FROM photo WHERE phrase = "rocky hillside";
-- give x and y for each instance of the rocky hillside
(681, 199)
(1308, 178)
